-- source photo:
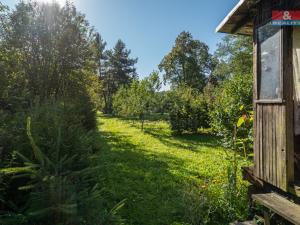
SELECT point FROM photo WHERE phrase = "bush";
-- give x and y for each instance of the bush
(50, 179)
(188, 111)
(224, 105)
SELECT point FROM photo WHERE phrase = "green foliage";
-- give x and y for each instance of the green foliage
(163, 102)
(224, 107)
(229, 88)
(51, 60)
(188, 110)
(139, 99)
(56, 179)
(233, 56)
(244, 131)
(100, 45)
(49, 92)
(54, 73)
(188, 63)
(203, 206)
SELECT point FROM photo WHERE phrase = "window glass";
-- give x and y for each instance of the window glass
(269, 56)
(296, 70)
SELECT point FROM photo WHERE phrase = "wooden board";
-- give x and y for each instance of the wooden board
(296, 72)
(295, 190)
(243, 223)
(279, 205)
(261, 185)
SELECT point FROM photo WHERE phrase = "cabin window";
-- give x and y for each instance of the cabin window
(269, 54)
(296, 72)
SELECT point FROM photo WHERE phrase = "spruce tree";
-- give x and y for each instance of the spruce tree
(120, 71)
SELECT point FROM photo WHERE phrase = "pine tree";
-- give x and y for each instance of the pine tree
(101, 55)
(120, 71)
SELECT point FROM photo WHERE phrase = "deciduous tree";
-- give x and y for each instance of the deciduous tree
(233, 56)
(188, 63)
(138, 99)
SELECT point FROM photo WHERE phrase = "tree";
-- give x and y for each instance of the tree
(12, 78)
(101, 55)
(188, 63)
(138, 99)
(120, 72)
(55, 57)
(230, 86)
(233, 56)
(54, 44)
(49, 61)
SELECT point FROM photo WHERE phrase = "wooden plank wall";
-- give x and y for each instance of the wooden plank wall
(273, 121)
(270, 145)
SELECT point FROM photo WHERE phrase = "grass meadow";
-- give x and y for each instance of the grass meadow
(161, 176)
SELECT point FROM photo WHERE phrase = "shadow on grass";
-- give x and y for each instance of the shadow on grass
(153, 191)
(152, 182)
(152, 118)
(185, 141)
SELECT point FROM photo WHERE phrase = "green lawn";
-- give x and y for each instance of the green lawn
(152, 169)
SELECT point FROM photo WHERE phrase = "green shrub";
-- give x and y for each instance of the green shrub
(139, 99)
(188, 110)
(51, 179)
(224, 105)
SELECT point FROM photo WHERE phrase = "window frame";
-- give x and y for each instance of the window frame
(257, 99)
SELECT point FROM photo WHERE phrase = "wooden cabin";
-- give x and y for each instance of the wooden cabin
(276, 99)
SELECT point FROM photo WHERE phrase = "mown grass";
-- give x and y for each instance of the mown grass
(153, 169)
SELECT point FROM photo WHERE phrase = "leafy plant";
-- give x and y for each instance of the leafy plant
(224, 107)
(188, 110)
(204, 207)
(244, 132)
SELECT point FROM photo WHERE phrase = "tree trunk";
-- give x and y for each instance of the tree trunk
(142, 121)
(142, 125)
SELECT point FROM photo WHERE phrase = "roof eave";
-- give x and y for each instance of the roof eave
(239, 20)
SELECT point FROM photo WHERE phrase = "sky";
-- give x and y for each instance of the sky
(149, 27)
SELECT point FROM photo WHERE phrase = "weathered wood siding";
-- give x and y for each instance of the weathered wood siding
(273, 121)
(270, 144)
